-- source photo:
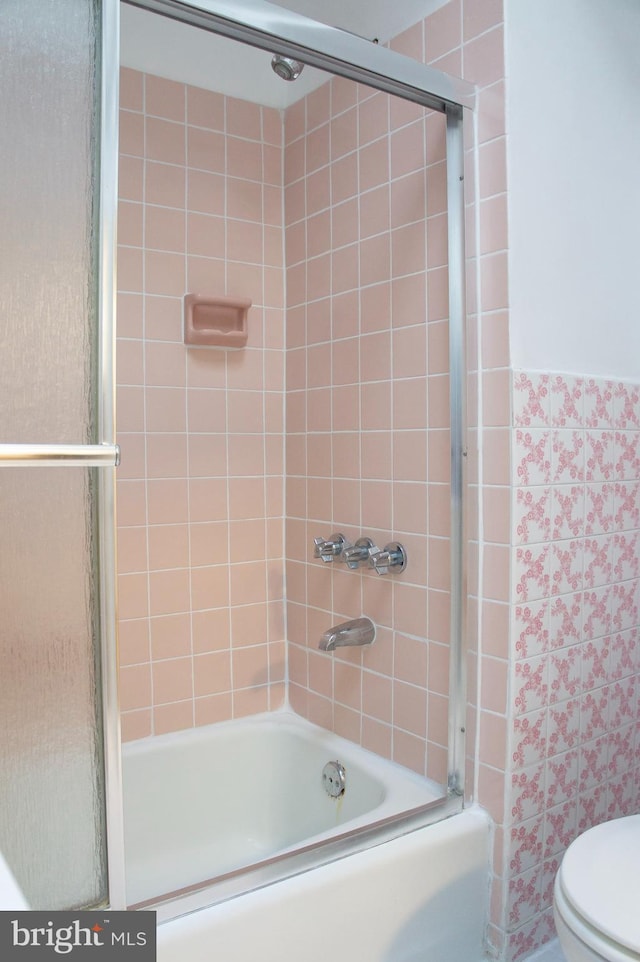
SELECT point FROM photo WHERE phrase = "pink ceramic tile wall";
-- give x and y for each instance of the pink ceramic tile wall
(366, 259)
(367, 413)
(468, 38)
(200, 487)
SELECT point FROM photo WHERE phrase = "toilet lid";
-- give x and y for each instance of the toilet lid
(600, 876)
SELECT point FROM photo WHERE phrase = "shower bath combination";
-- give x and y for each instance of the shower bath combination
(370, 833)
(299, 150)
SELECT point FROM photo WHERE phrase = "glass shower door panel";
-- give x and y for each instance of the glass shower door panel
(51, 778)
(48, 168)
(52, 796)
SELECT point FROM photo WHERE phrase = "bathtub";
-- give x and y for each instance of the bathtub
(418, 898)
(204, 803)
(231, 836)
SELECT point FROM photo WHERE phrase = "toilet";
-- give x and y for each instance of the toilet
(597, 894)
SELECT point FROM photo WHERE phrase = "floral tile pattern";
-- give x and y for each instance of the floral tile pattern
(574, 750)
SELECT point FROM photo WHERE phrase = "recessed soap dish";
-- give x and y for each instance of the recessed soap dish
(215, 321)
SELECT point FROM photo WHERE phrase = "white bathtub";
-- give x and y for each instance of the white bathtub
(206, 802)
(418, 898)
(210, 801)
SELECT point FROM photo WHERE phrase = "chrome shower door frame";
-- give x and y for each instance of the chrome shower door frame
(283, 32)
(107, 287)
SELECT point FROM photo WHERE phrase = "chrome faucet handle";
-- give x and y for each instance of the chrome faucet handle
(330, 548)
(358, 553)
(393, 556)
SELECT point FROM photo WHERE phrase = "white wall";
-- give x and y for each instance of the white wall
(573, 122)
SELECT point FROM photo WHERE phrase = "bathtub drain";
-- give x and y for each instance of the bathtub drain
(334, 779)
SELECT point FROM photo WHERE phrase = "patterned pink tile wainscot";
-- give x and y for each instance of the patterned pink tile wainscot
(575, 739)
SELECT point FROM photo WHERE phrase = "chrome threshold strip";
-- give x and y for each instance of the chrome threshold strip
(242, 881)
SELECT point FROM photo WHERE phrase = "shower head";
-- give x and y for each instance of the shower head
(286, 68)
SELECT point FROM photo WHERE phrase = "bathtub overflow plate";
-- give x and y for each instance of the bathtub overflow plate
(334, 778)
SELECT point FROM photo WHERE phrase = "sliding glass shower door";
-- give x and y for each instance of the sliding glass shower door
(57, 456)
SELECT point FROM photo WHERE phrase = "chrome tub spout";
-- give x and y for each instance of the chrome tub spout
(361, 631)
